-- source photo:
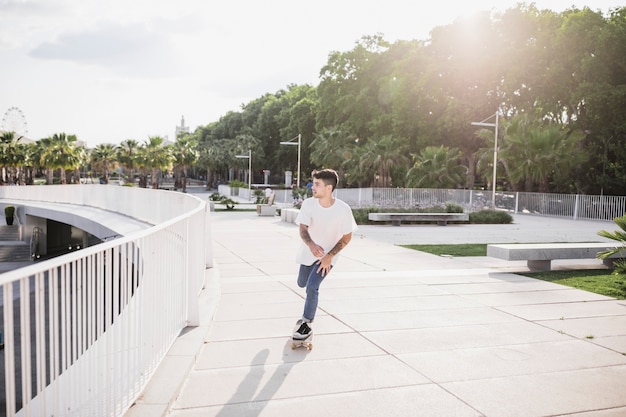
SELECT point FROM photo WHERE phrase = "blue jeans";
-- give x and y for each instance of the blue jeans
(309, 277)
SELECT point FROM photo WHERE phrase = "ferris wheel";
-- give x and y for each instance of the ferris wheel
(14, 121)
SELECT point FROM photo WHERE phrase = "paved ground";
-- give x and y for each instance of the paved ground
(398, 332)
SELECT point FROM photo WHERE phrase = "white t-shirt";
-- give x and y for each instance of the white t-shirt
(326, 226)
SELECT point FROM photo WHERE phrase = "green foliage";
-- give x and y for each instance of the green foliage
(620, 237)
(437, 167)
(215, 197)
(9, 211)
(454, 208)
(238, 184)
(222, 199)
(490, 217)
(259, 197)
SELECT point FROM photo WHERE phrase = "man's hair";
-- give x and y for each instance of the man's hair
(329, 176)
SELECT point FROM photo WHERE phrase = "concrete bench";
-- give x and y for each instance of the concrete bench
(268, 209)
(289, 215)
(538, 256)
(442, 219)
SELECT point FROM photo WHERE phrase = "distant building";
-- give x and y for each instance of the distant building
(182, 128)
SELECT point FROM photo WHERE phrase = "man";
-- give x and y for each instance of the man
(325, 225)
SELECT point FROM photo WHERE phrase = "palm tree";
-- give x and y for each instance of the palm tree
(437, 167)
(533, 154)
(12, 155)
(332, 149)
(59, 152)
(157, 157)
(103, 156)
(185, 152)
(127, 155)
(618, 236)
(379, 156)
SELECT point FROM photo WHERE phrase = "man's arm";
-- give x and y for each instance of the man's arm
(315, 249)
(325, 261)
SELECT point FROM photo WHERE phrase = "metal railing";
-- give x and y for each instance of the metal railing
(575, 206)
(84, 332)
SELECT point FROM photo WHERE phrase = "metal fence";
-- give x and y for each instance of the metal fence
(574, 206)
(84, 332)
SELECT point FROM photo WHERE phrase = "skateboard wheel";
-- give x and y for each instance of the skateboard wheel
(293, 345)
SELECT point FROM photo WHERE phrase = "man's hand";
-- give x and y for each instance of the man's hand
(324, 264)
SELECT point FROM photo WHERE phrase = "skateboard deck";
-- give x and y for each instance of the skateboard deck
(307, 343)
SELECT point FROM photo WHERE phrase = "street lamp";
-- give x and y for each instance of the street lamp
(299, 143)
(249, 157)
(495, 152)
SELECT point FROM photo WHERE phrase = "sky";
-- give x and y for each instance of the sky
(108, 71)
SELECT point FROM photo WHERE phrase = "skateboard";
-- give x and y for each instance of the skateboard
(307, 343)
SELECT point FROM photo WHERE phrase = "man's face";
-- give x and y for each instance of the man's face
(320, 189)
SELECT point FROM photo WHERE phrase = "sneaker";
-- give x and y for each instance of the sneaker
(303, 332)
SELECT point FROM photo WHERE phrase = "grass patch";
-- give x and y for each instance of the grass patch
(466, 249)
(597, 281)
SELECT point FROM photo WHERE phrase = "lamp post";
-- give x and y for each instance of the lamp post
(495, 152)
(299, 143)
(249, 157)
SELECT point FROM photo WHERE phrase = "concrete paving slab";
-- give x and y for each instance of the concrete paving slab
(545, 394)
(563, 295)
(446, 339)
(238, 353)
(568, 310)
(398, 320)
(511, 360)
(271, 327)
(603, 326)
(401, 332)
(295, 380)
(431, 400)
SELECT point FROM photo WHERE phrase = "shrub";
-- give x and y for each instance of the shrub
(222, 199)
(620, 237)
(215, 197)
(238, 184)
(454, 208)
(490, 217)
(9, 211)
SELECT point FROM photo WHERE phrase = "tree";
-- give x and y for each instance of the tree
(437, 167)
(127, 155)
(12, 156)
(380, 155)
(333, 149)
(59, 152)
(185, 153)
(545, 155)
(156, 157)
(103, 156)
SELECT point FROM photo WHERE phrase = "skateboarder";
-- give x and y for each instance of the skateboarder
(325, 225)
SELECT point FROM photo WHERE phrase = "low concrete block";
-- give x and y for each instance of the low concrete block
(265, 210)
(397, 218)
(289, 215)
(540, 255)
